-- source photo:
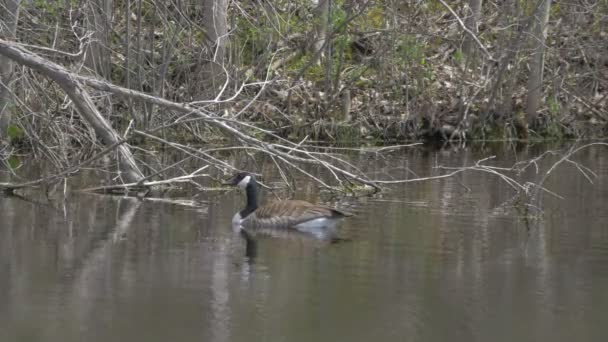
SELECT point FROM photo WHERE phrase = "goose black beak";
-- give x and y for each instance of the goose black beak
(230, 181)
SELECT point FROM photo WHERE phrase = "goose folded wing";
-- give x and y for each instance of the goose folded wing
(296, 211)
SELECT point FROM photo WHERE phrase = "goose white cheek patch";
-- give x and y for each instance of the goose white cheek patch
(243, 183)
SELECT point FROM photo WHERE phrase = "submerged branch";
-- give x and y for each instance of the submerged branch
(145, 185)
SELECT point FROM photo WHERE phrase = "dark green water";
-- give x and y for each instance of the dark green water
(432, 261)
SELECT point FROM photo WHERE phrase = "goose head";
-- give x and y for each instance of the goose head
(241, 179)
(245, 181)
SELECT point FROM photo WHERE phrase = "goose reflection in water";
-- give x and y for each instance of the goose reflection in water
(319, 237)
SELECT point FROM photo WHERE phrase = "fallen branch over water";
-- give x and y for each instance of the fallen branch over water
(82, 101)
(286, 151)
(145, 186)
(285, 154)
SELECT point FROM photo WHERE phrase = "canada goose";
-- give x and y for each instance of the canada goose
(293, 214)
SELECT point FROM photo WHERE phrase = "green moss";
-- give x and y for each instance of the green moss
(14, 132)
(358, 189)
(253, 39)
(14, 162)
(457, 56)
(375, 17)
(552, 130)
(347, 132)
(554, 106)
(556, 9)
(434, 6)
(491, 132)
(410, 50)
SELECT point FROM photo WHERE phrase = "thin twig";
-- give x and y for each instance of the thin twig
(468, 31)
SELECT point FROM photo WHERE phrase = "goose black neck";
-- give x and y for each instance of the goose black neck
(252, 199)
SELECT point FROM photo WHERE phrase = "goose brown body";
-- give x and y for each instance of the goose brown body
(291, 213)
(296, 214)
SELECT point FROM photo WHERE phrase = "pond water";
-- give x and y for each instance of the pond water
(445, 260)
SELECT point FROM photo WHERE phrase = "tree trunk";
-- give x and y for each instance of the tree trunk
(130, 173)
(98, 61)
(472, 17)
(535, 81)
(216, 27)
(99, 16)
(8, 28)
(510, 17)
(215, 13)
(321, 24)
